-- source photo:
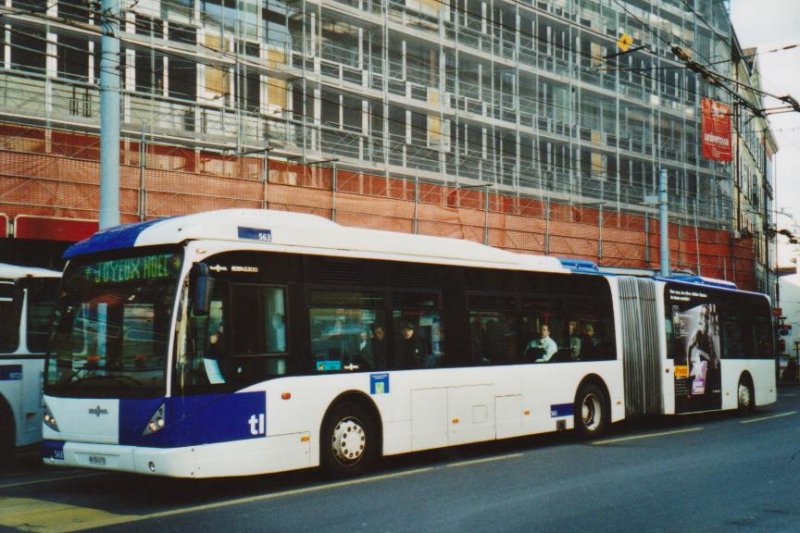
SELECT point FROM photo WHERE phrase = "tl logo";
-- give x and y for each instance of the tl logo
(258, 424)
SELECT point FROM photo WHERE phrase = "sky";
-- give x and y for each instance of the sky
(768, 25)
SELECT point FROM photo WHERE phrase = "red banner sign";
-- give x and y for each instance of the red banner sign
(716, 131)
(52, 228)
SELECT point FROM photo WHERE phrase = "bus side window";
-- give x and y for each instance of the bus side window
(347, 331)
(733, 343)
(9, 325)
(762, 338)
(258, 342)
(422, 345)
(493, 338)
(419, 339)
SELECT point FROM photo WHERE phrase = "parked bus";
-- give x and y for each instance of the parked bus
(241, 342)
(27, 296)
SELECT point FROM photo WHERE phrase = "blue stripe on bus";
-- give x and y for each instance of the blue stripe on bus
(10, 372)
(561, 409)
(194, 420)
(115, 238)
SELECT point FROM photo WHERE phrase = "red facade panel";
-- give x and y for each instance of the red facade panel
(53, 229)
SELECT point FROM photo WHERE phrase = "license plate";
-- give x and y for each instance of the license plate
(97, 460)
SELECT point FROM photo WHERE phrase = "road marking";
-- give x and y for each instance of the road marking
(47, 517)
(485, 460)
(28, 514)
(789, 395)
(49, 480)
(647, 436)
(771, 417)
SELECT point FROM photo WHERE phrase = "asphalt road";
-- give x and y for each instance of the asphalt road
(717, 472)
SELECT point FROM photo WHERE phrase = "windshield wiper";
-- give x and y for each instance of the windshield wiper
(77, 378)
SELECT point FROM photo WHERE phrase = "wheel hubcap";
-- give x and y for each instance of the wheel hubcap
(744, 395)
(590, 412)
(349, 441)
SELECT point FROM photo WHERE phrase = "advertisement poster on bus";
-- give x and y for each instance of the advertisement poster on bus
(695, 349)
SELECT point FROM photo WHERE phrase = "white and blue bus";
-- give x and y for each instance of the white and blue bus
(241, 342)
(27, 296)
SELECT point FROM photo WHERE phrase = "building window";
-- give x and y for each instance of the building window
(32, 6)
(28, 49)
(75, 10)
(73, 58)
(149, 63)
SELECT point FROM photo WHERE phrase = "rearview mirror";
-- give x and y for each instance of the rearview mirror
(202, 287)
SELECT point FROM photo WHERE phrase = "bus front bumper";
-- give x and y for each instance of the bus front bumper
(270, 454)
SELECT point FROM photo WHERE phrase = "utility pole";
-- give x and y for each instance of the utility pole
(663, 212)
(661, 199)
(109, 113)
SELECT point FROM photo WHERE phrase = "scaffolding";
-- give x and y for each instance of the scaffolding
(500, 121)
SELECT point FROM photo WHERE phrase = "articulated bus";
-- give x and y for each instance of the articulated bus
(27, 296)
(241, 342)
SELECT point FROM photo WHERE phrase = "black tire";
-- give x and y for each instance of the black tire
(7, 437)
(745, 395)
(591, 411)
(349, 440)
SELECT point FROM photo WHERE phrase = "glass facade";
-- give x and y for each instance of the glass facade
(530, 96)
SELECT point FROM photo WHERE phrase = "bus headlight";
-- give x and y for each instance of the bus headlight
(156, 422)
(49, 420)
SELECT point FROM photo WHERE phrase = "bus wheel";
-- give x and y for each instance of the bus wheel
(6, 437)
(745, 395)
(591, 413)
(348, 441)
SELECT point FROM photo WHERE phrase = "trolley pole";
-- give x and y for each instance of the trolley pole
(109, 114)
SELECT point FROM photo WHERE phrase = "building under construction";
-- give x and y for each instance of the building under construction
(538, 126)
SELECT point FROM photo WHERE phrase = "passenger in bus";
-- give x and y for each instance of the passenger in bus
(543, 348)
(573, 340)
(380, 351)
(365, 358)
(409, 352)
(590, 344)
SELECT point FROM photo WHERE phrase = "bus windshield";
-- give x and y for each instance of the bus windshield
(112, 326)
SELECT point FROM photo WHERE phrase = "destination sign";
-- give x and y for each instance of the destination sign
(141, 268)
